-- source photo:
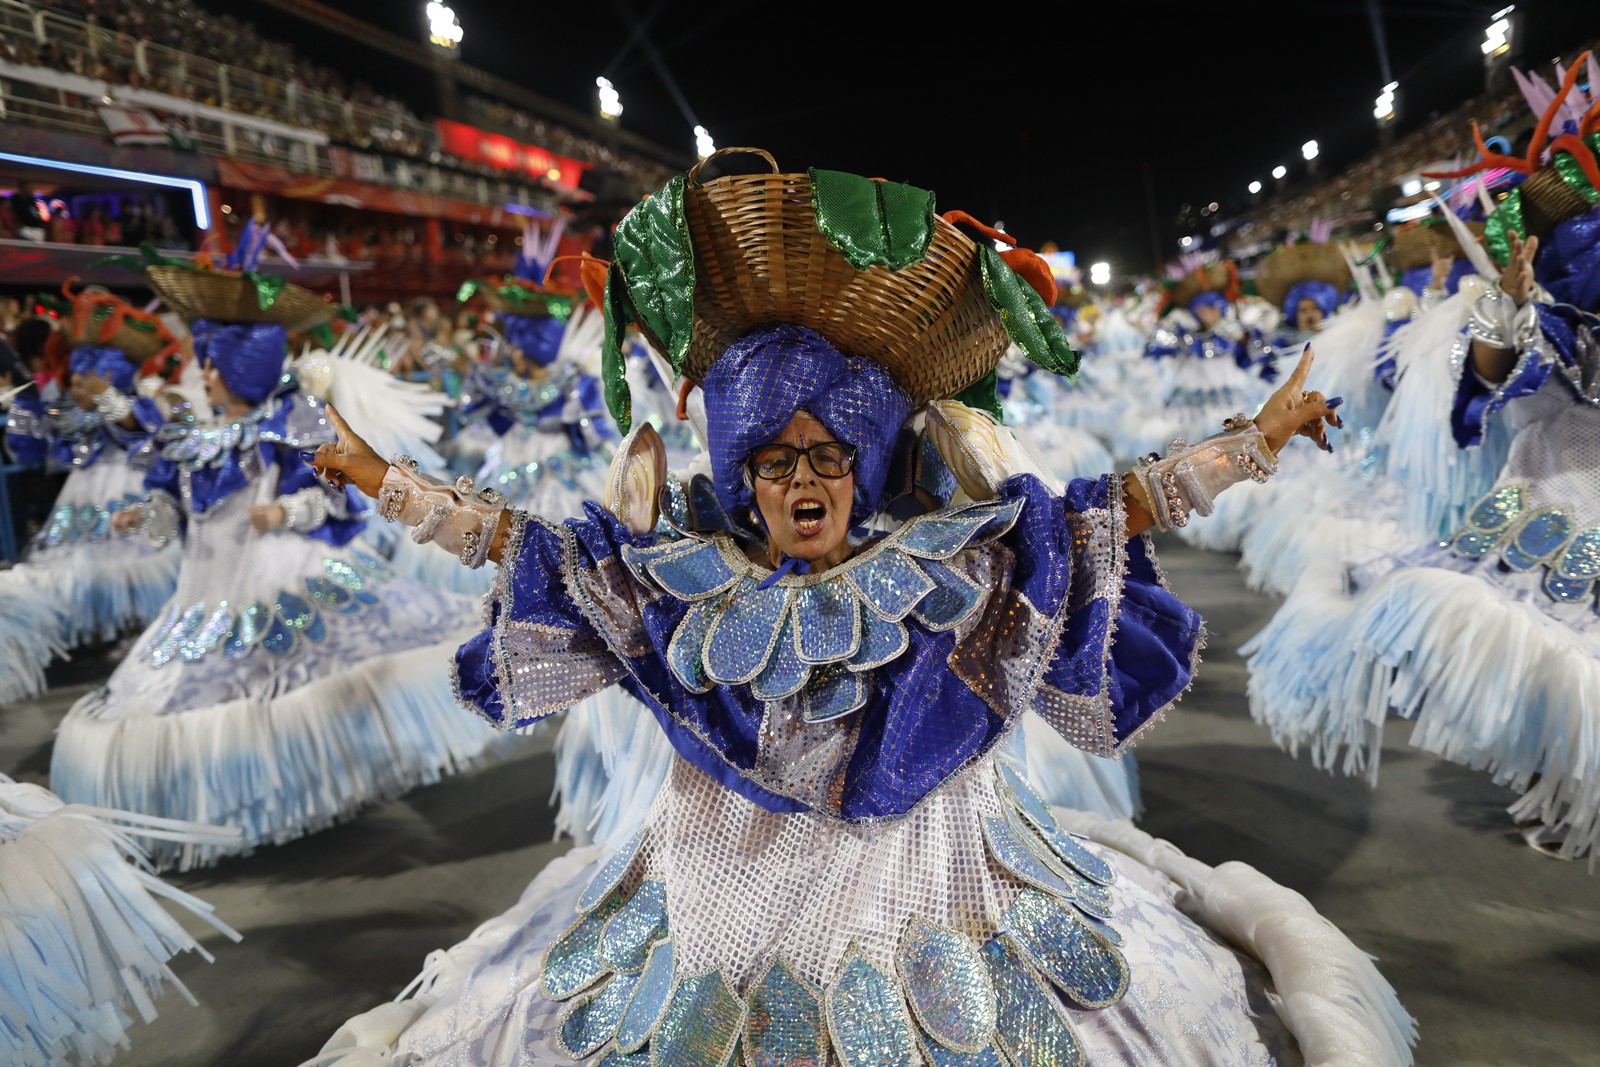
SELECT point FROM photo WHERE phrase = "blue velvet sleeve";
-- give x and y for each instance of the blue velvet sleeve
(347, 512)
(1128, 646)
(27, 432)
(1477, 401)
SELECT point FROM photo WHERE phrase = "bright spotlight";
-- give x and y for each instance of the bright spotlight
(703, 144)
(610, 100)
(444, 29)
(1309, 150)
(1100, 274)
(1255, 187)
(1278, 172)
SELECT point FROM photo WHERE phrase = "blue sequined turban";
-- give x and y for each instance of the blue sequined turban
(248, 354)
(538, 336)
(1323, 294)
(1568, 263)
(112, 364)
(1209, 298)
(756, 386)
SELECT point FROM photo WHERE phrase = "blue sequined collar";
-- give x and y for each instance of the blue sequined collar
(816, 635)
(196, 445)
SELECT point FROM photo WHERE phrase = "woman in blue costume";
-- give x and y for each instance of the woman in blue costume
(292, 678)
(1490, 639)
(100, 584)
(1212, 376)
(838, 868)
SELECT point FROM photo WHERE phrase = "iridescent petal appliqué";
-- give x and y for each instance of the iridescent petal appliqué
(867, 1017)
(745, 633)
(947, 986)
(649, 999)
(572, 962)
(592, 1019)
(890, 584)
(827, 622)
(629, 934)
(1572, 578)
(785, 673)
(1539, 538)
(701, 1025)
(1075, 957)
(1032, 1025)
(610, 875)
(1025, 799)
(785, 1027)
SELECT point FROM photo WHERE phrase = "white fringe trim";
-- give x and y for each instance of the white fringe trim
(84, 938)
(276, 768)
(1332, 998)
(612, 760)
(32, 633)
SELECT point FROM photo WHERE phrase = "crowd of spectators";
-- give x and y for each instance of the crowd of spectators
(268, 79)
(1369, 186)
(26, 216)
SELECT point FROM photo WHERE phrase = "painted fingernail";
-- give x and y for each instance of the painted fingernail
(1336, 401)
(308, 456)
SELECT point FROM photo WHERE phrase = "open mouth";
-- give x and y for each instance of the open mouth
(808, 517)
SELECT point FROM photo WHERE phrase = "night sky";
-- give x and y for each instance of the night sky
(1052, 125)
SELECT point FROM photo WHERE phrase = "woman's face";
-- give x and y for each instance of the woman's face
(218, 395)
(1209, 315)
(807, 516)
(1308, 316)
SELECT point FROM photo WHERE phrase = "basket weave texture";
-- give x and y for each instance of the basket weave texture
(1293, 264)
(1212, 277)
(760, 258)
(1548, 199)
(202, 294)
(1416, 245)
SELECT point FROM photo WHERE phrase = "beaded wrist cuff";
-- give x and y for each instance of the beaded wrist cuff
(459, 518)
(1188, 479)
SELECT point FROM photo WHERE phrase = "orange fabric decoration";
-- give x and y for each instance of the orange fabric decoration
(1540, 139)
(683, 399)
(1025, 262)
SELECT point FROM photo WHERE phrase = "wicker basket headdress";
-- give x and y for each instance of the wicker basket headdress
(197, 292)
(1416, 243)
(1562, 187)
(100, 317)
(865, 263)
(1221, 277)
(1304, 262)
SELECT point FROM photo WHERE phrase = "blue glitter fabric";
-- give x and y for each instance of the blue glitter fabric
(537, 336)
(248, 354)
(1210, 298)
(112, 364)
(1069, 618)
(757, 385)
(203, 464)
(1322, 294)
(66, 435)
(1568, 264)
(1562, 329)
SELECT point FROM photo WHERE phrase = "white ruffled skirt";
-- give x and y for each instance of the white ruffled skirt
(85, 927)
(288, 683)
(954, 935)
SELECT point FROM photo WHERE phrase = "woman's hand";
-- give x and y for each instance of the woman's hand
(86, 389)
(264, 517)
(1294, 412)
(1516, 281)
(1441, 272)
(349, 460)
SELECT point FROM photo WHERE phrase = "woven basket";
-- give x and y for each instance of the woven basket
(1415, 245)
(533, 305)
(1214, 277)
(1293, 264)
(759, 259)
(1547, 200)
(205, 294)
(140, 345)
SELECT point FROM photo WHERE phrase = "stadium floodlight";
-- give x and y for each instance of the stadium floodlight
(1255, 187)
(1384, 110)
(1185, 242)
(444, 29)
(1100, 274)
(1279, 172)
(703, 145)
(1497, 38)
(1411, 187)
(1310, 150)
(610, 101)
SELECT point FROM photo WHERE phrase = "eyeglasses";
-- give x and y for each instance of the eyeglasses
(828, 459)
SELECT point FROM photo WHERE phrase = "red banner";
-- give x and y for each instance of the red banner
(261, 178)
(481, 146)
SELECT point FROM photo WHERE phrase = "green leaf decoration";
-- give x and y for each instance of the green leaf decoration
(872, 223)
(657, 261)
(984, 395)
(525, 301)
(1028, 322)
(1505, 220)
(613, 364)
(1572, 173)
